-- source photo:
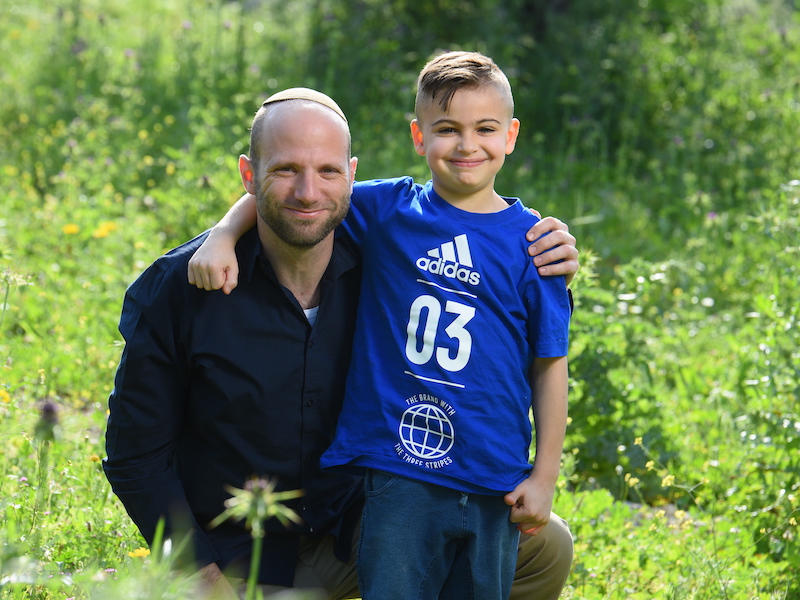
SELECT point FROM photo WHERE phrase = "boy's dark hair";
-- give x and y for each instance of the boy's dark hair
(447, 73)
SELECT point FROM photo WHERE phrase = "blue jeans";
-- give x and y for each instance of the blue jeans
(421, 541)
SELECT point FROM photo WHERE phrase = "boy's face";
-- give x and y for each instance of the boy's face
(466, 146)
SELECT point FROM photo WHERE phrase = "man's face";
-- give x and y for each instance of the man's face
(304, 178)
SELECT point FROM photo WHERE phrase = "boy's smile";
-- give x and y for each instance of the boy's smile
(466, 146)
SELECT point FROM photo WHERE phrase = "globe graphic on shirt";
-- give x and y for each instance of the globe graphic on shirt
(426, 432)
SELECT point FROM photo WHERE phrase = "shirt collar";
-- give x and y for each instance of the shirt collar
(345, 256)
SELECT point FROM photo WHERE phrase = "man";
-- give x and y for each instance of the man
(213, 390)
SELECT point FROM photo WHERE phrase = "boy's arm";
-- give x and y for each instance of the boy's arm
(532, 500)
(558, 246)
(214, 265)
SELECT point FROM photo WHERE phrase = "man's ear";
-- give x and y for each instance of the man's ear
(247, 173)
(511, 136)
(353, 165)
(416, 137)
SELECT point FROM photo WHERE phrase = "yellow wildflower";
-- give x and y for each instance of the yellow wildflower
(668, 480)
(637, 441)
(94, 458)
(139, 552)
(5, 397)
(70, 229)
(650, 465)
(104, 229)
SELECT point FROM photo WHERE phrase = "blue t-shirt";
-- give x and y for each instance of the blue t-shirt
(451, 314)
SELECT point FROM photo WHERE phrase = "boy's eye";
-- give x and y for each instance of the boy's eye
(445, 130)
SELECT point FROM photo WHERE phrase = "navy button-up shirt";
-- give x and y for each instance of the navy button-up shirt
(213, 390)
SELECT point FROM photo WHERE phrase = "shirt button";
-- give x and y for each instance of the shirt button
(309, 402)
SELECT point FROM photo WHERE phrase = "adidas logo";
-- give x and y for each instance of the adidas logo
(451, 260)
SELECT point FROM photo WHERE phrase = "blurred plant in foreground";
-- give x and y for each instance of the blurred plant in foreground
(257, 503)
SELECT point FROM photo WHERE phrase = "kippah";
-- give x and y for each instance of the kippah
(301, 93)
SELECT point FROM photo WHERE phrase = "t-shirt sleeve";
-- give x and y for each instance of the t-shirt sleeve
(366, 203)
(549, 313)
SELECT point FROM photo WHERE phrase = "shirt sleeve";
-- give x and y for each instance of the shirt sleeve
(549, 311)
(366, 202)
(146, 413)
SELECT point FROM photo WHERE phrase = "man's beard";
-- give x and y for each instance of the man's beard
(294, 232)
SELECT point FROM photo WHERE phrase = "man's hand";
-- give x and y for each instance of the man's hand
(215, 584)
(214, 265)
(559, 245)
(531, 503)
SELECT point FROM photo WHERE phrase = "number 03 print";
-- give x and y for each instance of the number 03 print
(426, 314)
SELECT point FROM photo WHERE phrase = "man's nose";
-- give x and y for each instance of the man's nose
(307, 188)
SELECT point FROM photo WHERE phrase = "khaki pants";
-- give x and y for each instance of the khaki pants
(543, 564)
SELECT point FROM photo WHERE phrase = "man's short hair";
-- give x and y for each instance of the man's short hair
(447, 73)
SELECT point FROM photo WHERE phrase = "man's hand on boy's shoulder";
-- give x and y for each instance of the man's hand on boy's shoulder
(553, 254)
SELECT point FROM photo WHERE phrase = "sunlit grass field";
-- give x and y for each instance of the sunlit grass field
(665, 134)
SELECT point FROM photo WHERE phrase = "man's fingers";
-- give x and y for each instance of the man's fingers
(555, 239)
(547, 224)
(556, 254)
(568, 267)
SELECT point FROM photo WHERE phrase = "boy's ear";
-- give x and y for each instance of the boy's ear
(246, 171)
(511, 136)
(416, 136)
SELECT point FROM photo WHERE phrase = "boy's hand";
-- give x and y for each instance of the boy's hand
(214, 266)
(559, 245)
(531, 503)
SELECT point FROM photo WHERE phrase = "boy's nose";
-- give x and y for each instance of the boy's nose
(467, 143)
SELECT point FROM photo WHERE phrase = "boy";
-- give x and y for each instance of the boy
(456, 340)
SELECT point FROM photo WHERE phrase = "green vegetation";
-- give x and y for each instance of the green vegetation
(665, 133)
